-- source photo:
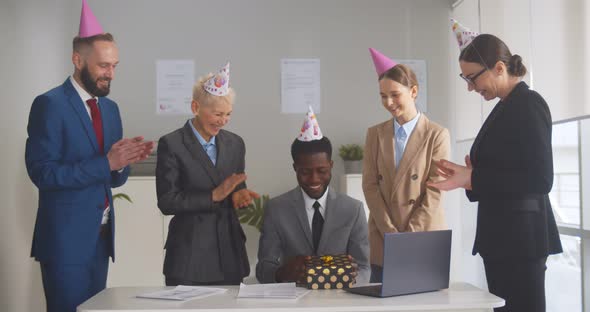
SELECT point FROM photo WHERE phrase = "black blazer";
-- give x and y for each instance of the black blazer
(511, 179)
(205, 241)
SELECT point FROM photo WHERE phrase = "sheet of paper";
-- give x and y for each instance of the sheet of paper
(300, 85)
(419, 67)
(271, 291)
(174, 85)
(183, 293)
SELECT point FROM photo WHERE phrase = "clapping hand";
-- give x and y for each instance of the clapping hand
(228, 186)
(128, 151)
(454, 175)
(243, 198)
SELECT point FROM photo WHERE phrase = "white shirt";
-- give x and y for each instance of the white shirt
(85, 96)
(309, 205)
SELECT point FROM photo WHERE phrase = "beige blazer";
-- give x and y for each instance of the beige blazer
(398, 198)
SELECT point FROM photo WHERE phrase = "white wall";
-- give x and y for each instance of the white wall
(561, 43)
(254, 35)
(36, 51)
(467, 106)
(34, 58)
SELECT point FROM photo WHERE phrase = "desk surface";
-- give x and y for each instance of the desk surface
(460, 296)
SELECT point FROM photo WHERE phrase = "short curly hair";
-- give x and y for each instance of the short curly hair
(312, 147)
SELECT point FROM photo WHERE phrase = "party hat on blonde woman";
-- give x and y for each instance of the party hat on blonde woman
(310, 130)
(463, 34)
(218, 85)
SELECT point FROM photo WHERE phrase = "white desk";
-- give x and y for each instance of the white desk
(460, 297)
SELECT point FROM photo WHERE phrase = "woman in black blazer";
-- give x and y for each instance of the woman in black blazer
(509, 172)
(200, 181)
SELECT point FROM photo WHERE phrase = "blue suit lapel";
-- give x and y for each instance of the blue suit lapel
(78, 106)
(105, 114)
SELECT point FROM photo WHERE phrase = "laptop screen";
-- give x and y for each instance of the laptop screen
(416, 262)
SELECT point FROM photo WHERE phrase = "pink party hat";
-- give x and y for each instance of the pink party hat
(464, 35)
(218, 85)
(310, 130)
(89, 25)
(382, 62)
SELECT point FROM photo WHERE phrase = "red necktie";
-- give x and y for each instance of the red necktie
(97, 125)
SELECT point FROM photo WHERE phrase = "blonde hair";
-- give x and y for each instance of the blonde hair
(205, 98)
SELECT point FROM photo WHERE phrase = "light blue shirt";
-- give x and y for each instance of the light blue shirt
(209, 147)
(400, 146)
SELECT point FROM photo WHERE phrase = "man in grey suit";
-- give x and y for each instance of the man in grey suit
(311, 219)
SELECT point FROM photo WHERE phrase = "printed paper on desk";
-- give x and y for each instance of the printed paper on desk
(183, 293)
(271, 291)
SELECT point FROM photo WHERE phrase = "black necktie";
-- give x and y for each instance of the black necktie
(317, 223)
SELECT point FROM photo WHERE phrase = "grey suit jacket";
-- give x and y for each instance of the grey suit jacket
(205, 239)
(286, 233)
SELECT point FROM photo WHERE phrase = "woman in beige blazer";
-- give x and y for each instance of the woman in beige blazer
(396, 172)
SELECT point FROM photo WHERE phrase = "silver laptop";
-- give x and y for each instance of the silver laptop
(412, 263)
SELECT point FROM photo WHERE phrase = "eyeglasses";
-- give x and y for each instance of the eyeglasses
(471, 80)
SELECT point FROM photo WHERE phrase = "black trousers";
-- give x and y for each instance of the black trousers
(521, 283)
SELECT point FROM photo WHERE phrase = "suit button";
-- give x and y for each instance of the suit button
(411, 202)
(379, 177)
(414, 176)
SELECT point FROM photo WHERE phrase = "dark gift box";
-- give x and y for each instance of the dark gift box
(328, 272)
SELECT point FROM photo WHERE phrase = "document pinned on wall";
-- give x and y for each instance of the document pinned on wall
(300, 85)
(174, 85)
(419, 67)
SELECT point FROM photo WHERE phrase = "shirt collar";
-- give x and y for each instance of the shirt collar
(199, 137)
(309, 201)
(85, 96)
(408, 126)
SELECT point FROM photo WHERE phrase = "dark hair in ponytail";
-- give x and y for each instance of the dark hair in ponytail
(488, 49)
(515, 66)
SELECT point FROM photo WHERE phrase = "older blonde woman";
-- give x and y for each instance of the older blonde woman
(200, 180)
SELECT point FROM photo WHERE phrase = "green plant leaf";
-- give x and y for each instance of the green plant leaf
(254, 214)
(122, 196)
(350, 152)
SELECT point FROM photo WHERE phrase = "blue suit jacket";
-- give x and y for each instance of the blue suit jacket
(64, 161)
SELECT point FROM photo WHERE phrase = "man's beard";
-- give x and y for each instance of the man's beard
(91, 85)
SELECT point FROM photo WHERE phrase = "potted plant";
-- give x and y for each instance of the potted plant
(352, 154)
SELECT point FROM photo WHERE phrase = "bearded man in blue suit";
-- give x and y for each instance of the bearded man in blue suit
(74, 155)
